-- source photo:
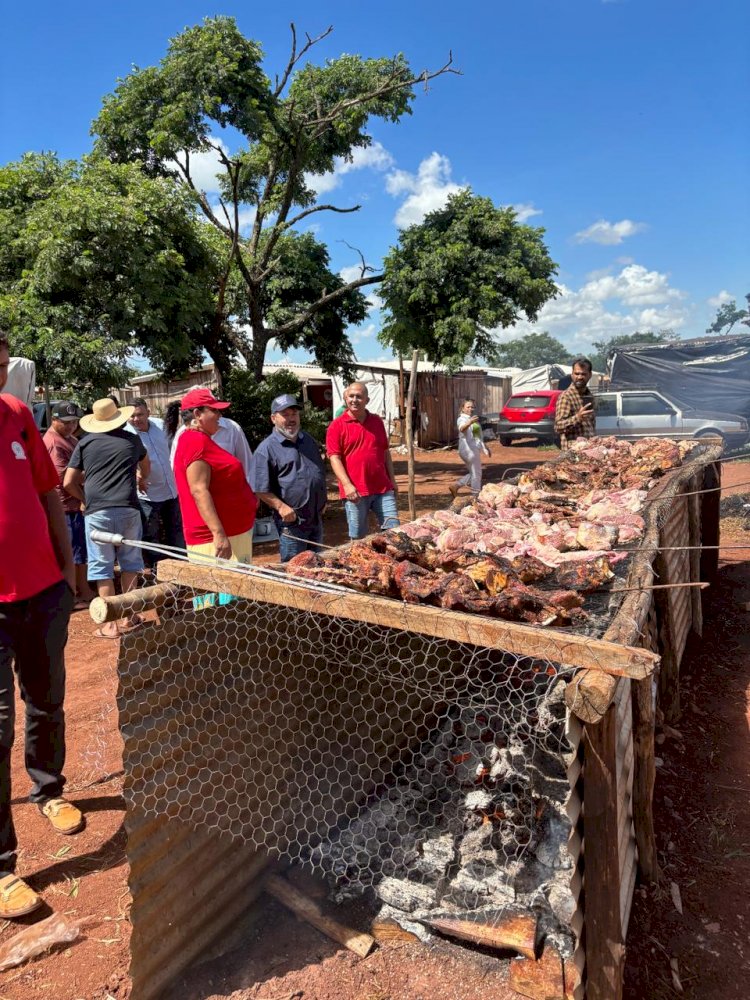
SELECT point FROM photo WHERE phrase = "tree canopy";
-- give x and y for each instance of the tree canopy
(467, 268)
(531, 351)
(69, 353)
(728, 315)
(274, 283)
(603, 348)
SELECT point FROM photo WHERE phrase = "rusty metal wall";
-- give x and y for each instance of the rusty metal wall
(439, 399)
(188, 887)
(676, 532)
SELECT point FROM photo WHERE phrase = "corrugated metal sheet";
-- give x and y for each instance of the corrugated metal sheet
(188, 887)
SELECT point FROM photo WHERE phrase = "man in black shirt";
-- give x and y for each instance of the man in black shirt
(102, 473)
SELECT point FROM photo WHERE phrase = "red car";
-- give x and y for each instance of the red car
(529, 415)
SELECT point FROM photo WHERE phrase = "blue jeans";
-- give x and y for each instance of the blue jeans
(383, 505)
(293, 539)
(125, 521)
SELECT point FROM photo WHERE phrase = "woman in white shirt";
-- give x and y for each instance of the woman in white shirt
(470, 448)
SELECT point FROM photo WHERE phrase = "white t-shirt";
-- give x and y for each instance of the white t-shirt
(473, 439)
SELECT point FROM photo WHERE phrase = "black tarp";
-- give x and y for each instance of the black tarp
(712, 373)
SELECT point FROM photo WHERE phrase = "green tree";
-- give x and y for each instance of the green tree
(603, 348)
(531, 351)
(79, 359)
(251, 403)
(468, 267)
(210, 81)
(728, 315)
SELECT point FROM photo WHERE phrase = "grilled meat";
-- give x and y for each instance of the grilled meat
(584, 575)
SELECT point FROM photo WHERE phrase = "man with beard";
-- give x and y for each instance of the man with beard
(289, 476)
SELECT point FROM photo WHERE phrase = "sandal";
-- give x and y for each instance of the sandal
(105, 635)
(16, 898)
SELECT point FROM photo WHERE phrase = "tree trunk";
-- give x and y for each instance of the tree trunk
(257, 356)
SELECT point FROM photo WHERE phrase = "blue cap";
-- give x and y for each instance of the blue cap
(283, 403)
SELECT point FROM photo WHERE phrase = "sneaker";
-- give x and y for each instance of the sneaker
(16, 898)
(63, 815)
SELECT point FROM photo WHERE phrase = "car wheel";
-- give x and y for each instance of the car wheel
(711, 434)
(506, 441)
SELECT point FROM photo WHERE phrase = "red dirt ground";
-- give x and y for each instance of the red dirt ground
(702, 821)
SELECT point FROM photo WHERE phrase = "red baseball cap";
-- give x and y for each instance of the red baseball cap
(202, 397)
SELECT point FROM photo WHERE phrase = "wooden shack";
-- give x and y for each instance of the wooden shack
(209, 782)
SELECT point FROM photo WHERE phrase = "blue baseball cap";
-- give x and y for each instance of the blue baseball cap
(283, 403)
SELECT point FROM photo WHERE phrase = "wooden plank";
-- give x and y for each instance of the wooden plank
(644, 778)
(522, 640)
(307, 909)
(549, 978)
(605, 946)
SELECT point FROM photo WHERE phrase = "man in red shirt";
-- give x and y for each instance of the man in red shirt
(357, 445)
(37, 577)
(60, 441)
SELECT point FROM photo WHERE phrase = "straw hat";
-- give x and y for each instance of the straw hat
(106, 417)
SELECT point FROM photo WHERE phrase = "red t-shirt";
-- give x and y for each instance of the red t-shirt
(233, 499)
(61, 450)
(362, 447)
(27, 560)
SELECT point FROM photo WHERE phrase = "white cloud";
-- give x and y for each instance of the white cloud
(375, 157)
(609, 233)
(426, 191)
(205, 166)
(721, 299)
(366, 333)
(525, 211)
(605, 305)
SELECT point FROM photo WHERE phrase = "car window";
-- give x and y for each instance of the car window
(606, 406)
(644, 404)
(528, 402)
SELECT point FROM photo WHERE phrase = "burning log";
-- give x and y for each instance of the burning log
(508, 930)
(549, 978)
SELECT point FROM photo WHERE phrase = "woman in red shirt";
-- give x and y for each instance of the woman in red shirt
(218, 507)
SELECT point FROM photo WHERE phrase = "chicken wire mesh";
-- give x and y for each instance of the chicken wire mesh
(427, 771)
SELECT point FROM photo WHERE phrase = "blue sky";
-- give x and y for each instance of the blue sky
(620, 126)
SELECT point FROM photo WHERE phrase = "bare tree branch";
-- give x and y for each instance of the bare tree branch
(393, 83)
(318, 208)
(293, 325)
(365, 267)
(295, 56)
(202, 199)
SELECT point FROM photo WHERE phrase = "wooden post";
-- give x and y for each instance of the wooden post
(109, 609)
(410, 433)
(401, 407)
(644, 777)
(605, 948)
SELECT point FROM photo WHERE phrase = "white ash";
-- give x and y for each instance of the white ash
(477, 820)
(412, 926)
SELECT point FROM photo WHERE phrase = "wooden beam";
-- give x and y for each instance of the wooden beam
(358, 942)
(605, 947)
(109, 609)
(550, 644)
(410, 435)
(512, 931)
